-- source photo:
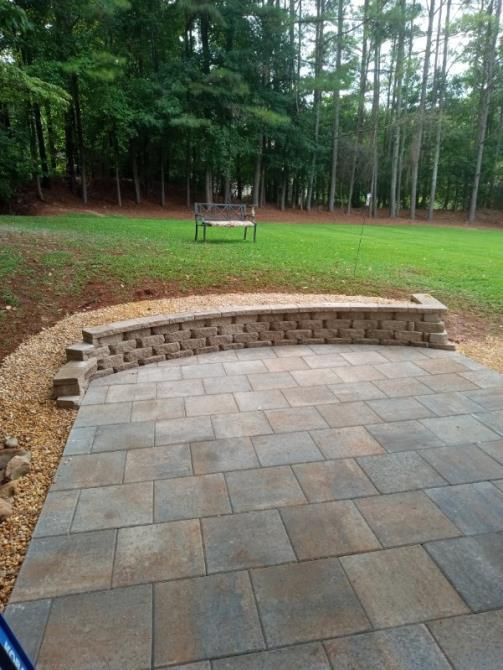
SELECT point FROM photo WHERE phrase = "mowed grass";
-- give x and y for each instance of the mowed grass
(462, 266)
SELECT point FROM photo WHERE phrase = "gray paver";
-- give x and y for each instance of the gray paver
(447, 404)
(492, 419)
(158, 552)
(28, 621)
(263, 488)
(199, 371)
(333, 480)
(98, 415)
(305, 601)
(232, 453)
(319, 377)
(459, 429)
(205, 617)
(300, 657)
(309, 395)
(404, 435)
(326, 361)
(95, 395)
(484, 378)
(245, 367)
(494, 449)
(399, 370)
(189, 429)
(156, 410)
(448, 382)
(344, 442)
(359, 373)
(294, 419)
(400, 409)
(190, 497)
(287, 363)
(57, 513)
(113, 507)
(328, 529)
(490, 399)
(404, 648)
(86, 470)
(463, 464)
(400, 472)
(256, 400)
(231, 384)
(405, 518)
(80, 441)
(437, 366)
(402, 387)
(165, 373)
(353, 391)
(242, 424)
(158, 463)
(63, 564)
(220, 403)
(127, 392)
(128, 436)
(348, 414)
(474, 566)
(87, 631)
(180, 389)
(474, 508)
(245, 540)
(472, 641)
(363, 357)
(400, 586)
(271, 380)
(284, 448)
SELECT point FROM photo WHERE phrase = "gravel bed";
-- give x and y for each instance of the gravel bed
(27, 411)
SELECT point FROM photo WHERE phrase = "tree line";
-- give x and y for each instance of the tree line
(297, 103)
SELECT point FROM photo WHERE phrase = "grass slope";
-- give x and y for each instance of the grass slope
(458, 265)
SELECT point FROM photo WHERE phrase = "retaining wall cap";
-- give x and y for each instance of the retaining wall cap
(426, 300)
(74, 371)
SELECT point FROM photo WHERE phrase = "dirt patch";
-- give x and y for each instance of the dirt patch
(60, 201)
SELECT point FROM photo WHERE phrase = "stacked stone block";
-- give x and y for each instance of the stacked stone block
(128, 344)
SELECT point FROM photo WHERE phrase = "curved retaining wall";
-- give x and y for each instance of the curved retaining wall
(127, 344)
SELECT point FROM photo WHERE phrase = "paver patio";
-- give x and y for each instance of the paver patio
(299, 508)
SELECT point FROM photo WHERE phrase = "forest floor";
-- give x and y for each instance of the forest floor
(52, 266)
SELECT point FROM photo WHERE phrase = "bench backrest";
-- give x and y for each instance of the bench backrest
(219, 212)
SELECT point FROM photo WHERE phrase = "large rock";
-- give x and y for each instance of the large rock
(5, 509)
(7, 454)
(18, 467)
(10, 443)
(8, 490)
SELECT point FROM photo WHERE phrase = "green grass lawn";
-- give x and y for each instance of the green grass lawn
(460, 266)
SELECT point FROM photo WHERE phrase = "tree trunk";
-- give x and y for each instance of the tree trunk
(258, 172)
(118, 184)
(335, 139)
(361, 101)
(395, 151)
(41, 146)
(418, 138)
(318, 66)
(136, 178)
(80, 137)
(208, 184)
(441, 99)
(375, 129)
(486, 94)
(163, 186)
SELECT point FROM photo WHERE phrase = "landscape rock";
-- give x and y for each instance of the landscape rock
(5, 509)
(10, 443)
(8, 490)
(18, 467)
(7, 454)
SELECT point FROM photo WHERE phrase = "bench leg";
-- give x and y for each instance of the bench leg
(255, 233)
(204, 233)
(246, 230)
(197, 230)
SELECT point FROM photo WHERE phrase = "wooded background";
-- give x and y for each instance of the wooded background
(298, 103)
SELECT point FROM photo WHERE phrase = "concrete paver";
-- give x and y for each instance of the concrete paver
(278, 508)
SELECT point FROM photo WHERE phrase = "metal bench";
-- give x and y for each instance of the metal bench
(209, 215)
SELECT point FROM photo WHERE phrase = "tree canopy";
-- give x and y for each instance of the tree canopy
(298, 103)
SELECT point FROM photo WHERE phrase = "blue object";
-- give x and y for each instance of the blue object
(12, 655)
